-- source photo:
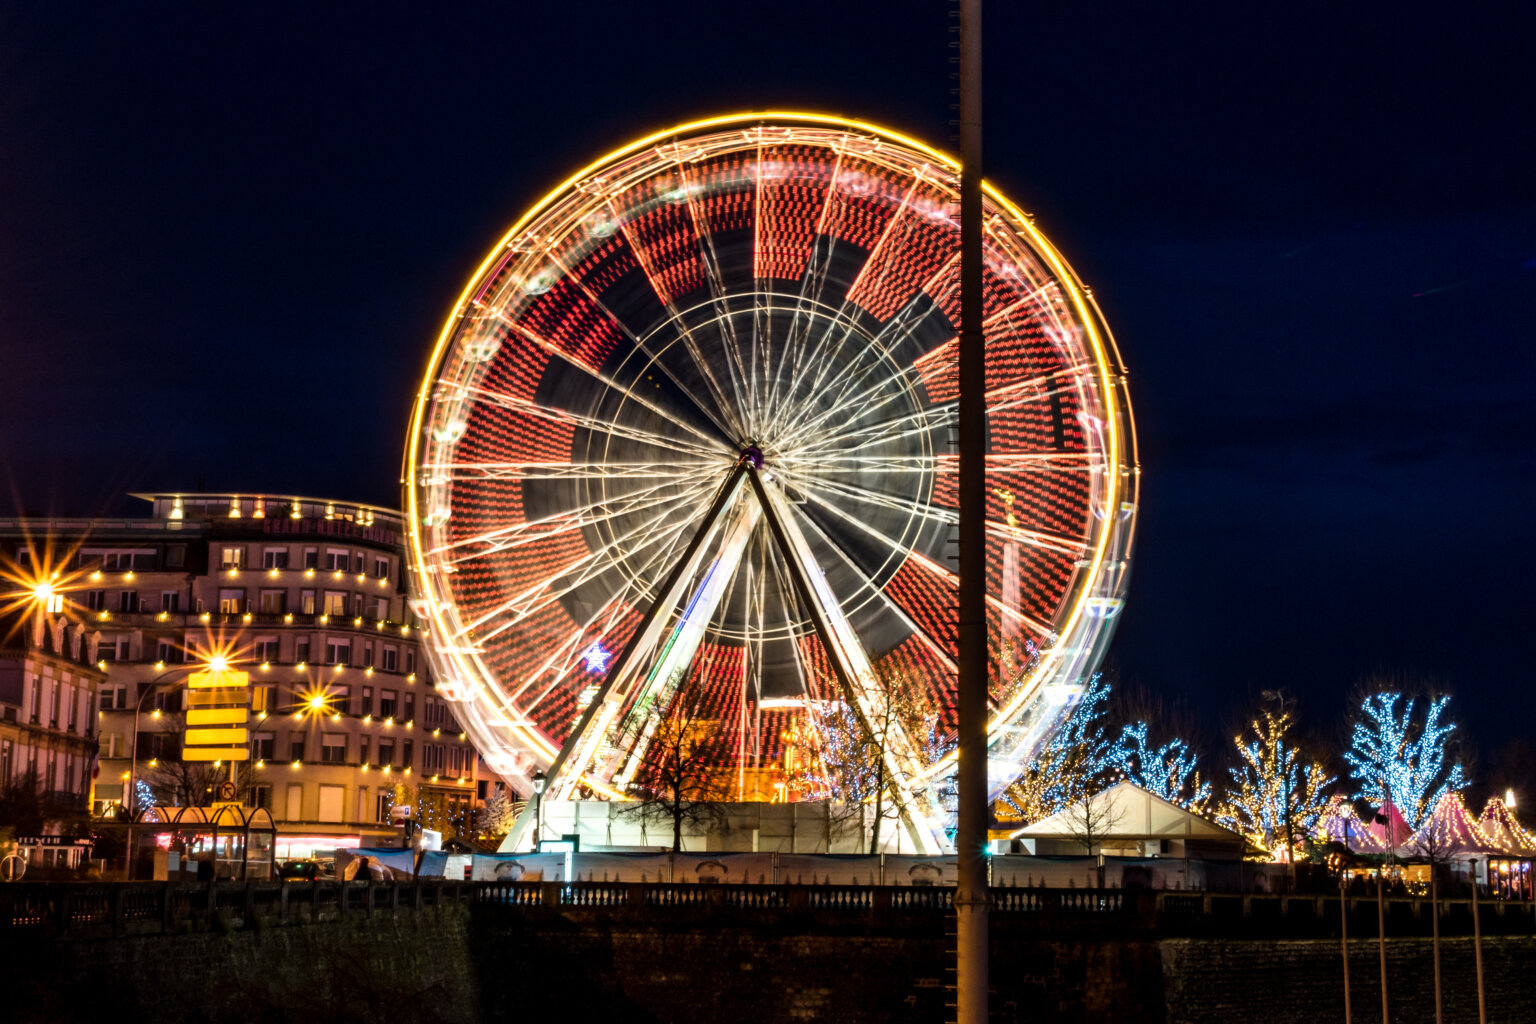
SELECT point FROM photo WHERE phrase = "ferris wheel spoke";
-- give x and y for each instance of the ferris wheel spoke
(846, 315)
(690, 343)
(711, 412)
(593, 423)
(578, 571)
(719, 297)
(455, 472)
(565, 655)
(630, 394)
(547, 527)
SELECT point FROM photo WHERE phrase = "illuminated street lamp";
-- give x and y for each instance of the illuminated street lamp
(538, 806)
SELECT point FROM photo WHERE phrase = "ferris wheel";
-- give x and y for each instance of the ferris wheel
(685, 444)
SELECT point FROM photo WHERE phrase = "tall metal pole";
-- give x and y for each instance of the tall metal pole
(1434, 916)
(1344, 937)
(1477, 948)
(1381, 944)
(972, 947)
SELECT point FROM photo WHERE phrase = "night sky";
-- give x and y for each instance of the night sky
(228, 235)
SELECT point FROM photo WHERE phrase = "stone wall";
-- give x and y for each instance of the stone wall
(494, 962)
(1208, 981)
(413, 967)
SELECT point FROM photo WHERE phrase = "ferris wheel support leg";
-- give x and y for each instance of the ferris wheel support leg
(666, 599)
(901, 759)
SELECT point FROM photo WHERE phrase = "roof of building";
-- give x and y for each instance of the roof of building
(1130, 813)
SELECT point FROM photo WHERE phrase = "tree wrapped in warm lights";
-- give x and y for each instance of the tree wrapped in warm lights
(1071, 767)
(1400, 761)
(1170, 771)
(1274, 794)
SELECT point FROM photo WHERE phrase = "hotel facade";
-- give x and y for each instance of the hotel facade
(305, 595)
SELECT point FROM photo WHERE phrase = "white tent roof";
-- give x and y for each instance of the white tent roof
(1130, 812)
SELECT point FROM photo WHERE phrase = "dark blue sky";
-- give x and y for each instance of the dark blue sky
(228, 235)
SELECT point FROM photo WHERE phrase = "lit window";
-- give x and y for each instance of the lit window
(233, 558)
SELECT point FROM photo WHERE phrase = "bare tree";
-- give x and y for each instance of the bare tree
(679, 784)
(854, 748)
(1090, 821)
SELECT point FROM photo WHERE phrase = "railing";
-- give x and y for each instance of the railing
(116, 909)
(83, 909)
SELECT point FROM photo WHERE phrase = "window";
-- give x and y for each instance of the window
(231, 602)
(335, 602)
(264, 698)
(189, 645)
(274, 558)
(128, 601)
(388, 658)
(337, 559)
(96, 600)
(387, 700)
(433, 709)
(296, 746)
(381, 568)
(107, 650)
(432, 758)
(333, 747)
(113, 698)
(381, 609)
(338, 652)
(294, 805)
(232, 558)
(365, 706)
(267, 649)
(410, 659)
(357, 563)
(274, 602)
(261, 796)
(301, 650)
(367, 654)
(175, 556)
(330, 803)
(357, 604)
(410, 707)
(386, 750)
(363, 743)
(170, 601)
(405, 753)
(306, 602)
(264, 747)
(385, 802)
(166, 650)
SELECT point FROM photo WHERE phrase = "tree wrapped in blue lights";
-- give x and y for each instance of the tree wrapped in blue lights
(1399, 761)
(1170, 771)
(1073, 765)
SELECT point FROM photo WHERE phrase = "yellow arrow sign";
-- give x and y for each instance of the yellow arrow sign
(215, 754)
(215, 737)
(218, 678)
(217, 716)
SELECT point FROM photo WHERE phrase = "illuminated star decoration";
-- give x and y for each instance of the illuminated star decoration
(597, 658)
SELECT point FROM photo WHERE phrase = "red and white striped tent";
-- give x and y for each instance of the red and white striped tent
(1499, 824)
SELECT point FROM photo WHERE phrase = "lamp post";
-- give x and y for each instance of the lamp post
(1477, 946)
(131, 798)
(538, 806)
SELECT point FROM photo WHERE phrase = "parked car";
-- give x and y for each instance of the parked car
(299, 870)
